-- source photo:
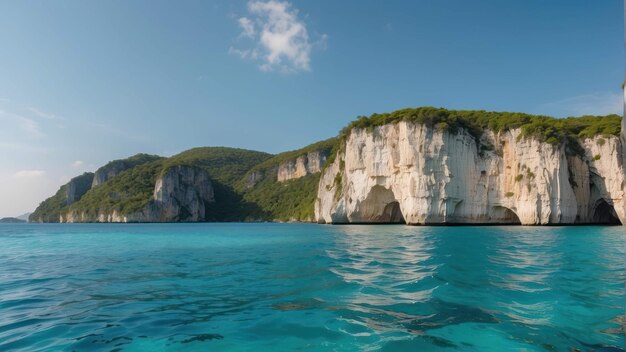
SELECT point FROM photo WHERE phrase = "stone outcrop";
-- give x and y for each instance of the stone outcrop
(623, 131)
(253, 178)
(181, 194)
(116, 167)
(107, 172)
(77, 187)
(420, 175)
(303, 165)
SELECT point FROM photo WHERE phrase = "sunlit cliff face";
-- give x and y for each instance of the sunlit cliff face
(412, 173)
(623, 133)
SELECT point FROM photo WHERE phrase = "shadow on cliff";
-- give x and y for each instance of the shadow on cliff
(230, 206)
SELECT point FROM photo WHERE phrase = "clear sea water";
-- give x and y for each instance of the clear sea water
(305, 287)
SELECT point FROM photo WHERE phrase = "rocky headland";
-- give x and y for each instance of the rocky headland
(413, 166)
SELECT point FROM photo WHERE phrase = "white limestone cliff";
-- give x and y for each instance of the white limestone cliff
(303, 165)
(419, 175)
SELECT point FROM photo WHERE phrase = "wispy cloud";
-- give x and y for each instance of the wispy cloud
(76, 164)
(280, 40)
(43, 114)
(29, 174)
(598, 103)
(31, 127)
(27, 125)
(247, 27)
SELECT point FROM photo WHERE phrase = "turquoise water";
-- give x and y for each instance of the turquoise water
(304, 287)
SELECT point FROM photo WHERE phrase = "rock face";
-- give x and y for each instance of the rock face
(78, 186)
(116, 167)
(307, 164)
(623, 132)
(420, 175)
(181, 194)
(106, 173)
(253, 178)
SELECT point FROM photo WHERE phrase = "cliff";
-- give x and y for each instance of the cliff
(417, 173)
(415, 166)
(78, 186)
(195, 185)
(115, 167)
(181, 194)
(303, 165)
(50, 209)
(283, 188)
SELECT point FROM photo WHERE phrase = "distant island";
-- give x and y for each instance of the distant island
(10, 220)
(415, 166)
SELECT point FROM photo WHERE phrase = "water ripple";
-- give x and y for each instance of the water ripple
(253, 287)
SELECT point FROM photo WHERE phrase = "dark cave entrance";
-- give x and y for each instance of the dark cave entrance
(380, 207)
(605, 214)
(510, 217)
(506, 216)
(392, 214)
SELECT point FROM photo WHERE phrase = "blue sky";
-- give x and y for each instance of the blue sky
(85, 82)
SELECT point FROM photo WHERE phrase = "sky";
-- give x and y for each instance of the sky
(86, 82)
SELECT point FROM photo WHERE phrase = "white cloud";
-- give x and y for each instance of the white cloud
(76, 164)
(598, 103)
(280, 39)
(247, 27)
(42, 114)
(29, 174)
(244, 54)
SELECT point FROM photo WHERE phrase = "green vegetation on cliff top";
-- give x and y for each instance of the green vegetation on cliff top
(544, 128)
(132, 189)
(324, 146)
(226, 165)
(284, 201)
(130, 162)
(127, 192)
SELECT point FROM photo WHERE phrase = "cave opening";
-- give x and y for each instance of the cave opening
(392, 214)
(380, 207)
(505, 215)
(605, 214)
(511, 218)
